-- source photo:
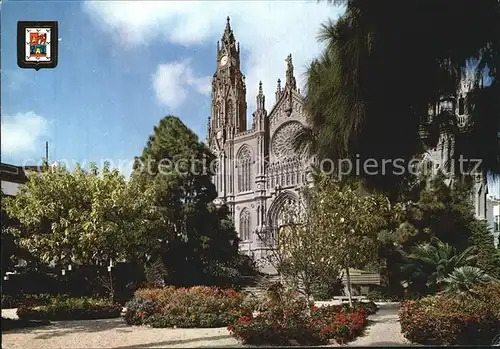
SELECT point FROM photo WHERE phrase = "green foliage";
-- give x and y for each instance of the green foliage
(83, 217)
(15, 301)
(326, 288)
(287, 319)
(177, 165)
(436, 210)
(488, 257)
(369, 45)
(347, 222)
(460, 319)
(201, 307)
(11, 251)
(64, 308)
(431, 263)
(462, 280)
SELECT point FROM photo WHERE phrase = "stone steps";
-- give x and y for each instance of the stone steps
(259, 285)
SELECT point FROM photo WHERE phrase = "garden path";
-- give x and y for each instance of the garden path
(383, 330)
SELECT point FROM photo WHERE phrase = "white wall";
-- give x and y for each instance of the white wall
(10, 188)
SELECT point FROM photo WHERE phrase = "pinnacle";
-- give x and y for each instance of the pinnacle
(260, 87)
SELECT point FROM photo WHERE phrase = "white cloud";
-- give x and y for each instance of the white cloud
(22, 132)
(268, 31)
(172, 80)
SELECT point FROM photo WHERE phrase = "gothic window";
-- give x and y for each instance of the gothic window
(244, 169)
(216, 176)
(461, 106)
(282, 142)
(229, 110)
(245, 225)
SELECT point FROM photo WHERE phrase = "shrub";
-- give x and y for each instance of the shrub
(472, 319)
(197, 306)
(327, 289)
(340, 322)
(65, 308)
(287, 319)
(380, 294)
(138, 309)
(370, 307)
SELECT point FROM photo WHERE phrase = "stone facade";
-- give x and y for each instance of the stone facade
(440, 156)
(259, 173)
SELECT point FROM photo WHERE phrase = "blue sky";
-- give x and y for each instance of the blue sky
(125, 65)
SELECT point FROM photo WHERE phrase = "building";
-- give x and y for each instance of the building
(12, 177)
(494, 218)
(258, 173)
(442, 154)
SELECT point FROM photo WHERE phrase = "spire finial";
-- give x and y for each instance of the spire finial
(260, 87)
(290, 79)
(228, 24)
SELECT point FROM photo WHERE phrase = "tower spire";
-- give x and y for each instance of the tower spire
(261, 99)
(228, 41)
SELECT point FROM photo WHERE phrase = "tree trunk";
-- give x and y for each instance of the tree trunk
(111, 289)
(349, 288)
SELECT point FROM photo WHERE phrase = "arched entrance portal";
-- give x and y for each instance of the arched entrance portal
(282, 211)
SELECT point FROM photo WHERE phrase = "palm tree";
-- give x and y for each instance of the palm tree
(387, 62)
(463, 279)
(434, 262)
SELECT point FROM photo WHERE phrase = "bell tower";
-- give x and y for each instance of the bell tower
(229, 107)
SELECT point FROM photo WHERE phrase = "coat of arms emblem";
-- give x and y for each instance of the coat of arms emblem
(37, 44)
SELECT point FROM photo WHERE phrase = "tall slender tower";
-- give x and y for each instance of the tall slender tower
(229, 109)
(228, 91)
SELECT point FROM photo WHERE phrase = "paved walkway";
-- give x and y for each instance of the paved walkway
(383, 330)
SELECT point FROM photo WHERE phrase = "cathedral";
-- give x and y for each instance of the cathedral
(259, 175)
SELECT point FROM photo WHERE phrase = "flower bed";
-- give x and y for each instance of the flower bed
(472, 319)
(196, 307)
(64, 308)
(287, 320)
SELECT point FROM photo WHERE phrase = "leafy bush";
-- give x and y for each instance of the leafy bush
(460, 319)
(287, 319)
(65, 308)
(9, 301)
(378, 294)
(199, 306)
(327, 289)
(341, 324)
(370, 307)
(138, 309)
(283, 322)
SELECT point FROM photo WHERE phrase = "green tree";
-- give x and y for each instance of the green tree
(386, 65)
(177, 165)
(349, 222)
(431, 263)
(81, 217)
(299, 251)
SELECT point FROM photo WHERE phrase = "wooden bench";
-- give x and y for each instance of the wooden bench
(346, 298)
